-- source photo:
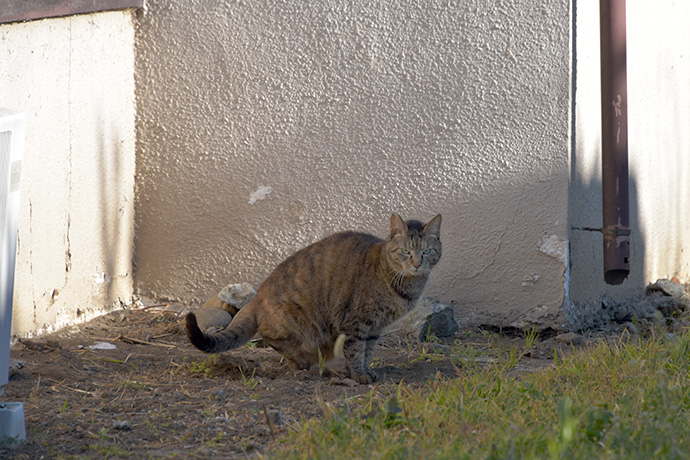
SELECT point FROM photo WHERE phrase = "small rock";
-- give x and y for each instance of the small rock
(237, 295)
(124, 425)
(215, 302)
(102, 346)
(659, 318)
(212, 319)
(666, 287)
(570, 338)
(40, 344)
(630, 326)
(204, 451)
(218, 393)
(669, 306)
(262, 430)
(15, 365)
(118, 317)
(276, 417)
(441, 323)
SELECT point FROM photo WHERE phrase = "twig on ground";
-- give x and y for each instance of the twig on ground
(161, 335)
(158, 305)
(270, 422)
(126, 339)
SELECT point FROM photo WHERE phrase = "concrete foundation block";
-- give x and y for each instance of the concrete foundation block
(12, 422)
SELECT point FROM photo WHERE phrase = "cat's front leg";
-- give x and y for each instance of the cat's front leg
(369, 350)
(356, 363)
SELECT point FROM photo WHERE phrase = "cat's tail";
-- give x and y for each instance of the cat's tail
(239, 331)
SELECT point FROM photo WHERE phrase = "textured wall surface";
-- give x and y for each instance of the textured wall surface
(658, 142)
(74, 79)
(265, 126)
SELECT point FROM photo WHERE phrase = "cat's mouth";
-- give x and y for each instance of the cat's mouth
(416, 271)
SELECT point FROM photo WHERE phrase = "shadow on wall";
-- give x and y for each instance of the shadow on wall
(592, 302)
(115, 228)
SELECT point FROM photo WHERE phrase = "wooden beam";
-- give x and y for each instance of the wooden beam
(29, 10)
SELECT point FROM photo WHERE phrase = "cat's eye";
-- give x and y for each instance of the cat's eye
(405, 251)
(426, 252)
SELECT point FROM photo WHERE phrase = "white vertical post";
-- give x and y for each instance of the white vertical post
(12, 131)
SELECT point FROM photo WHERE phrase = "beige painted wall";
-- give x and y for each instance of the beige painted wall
(264, 127)
(74, 79)
(659, 152)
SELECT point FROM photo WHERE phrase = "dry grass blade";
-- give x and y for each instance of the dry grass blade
(158, 305)
(126, 339)
(269, 422)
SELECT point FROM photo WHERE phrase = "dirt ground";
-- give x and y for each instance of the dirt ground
(129, 385)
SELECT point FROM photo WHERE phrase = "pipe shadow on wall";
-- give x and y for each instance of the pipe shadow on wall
(593, 302)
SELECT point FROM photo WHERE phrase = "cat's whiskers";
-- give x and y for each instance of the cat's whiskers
(397, 278)
(400, 277)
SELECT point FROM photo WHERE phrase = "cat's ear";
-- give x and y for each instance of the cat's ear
(398, 225)
(433, 228)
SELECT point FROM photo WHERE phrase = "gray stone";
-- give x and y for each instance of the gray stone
(666, 287)
(408, 326)
(237, 295)
(630, 326)
(570, 338)
(669, 306)
(276, 417)
(441, 324)
(15, 366)
(211, 319)
(668, 297)
(123, 425)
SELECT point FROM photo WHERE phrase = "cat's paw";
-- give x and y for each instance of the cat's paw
(364, 378)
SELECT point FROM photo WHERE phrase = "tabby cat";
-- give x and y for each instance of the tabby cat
(348, 283)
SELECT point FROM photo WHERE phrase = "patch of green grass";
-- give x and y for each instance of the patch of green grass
(108, 450)
(464, 355)
(249, 382)
(531, 335)
(203, 368)
(65, 406)
(127, 384)
(616, 400)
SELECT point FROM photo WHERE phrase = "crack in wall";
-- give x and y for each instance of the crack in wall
(68, 250)
(31, 258)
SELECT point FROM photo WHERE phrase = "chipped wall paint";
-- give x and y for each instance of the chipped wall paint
(556, 247)
(260, 194)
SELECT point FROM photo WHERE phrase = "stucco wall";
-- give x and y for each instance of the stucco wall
(74, 79)
(263, 127)
(659, 144)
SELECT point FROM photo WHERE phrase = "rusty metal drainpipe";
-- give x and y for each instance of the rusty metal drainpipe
(614, 142)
